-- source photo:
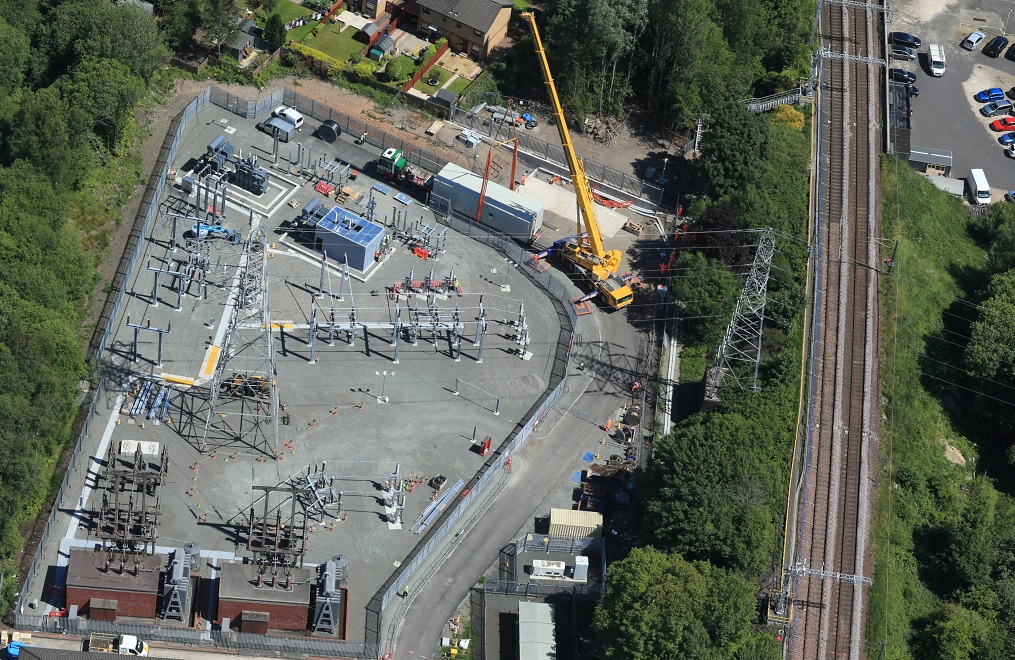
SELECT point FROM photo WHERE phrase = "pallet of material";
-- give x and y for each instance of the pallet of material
(634, 227)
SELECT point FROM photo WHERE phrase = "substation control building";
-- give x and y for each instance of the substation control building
(504, 210)
(342, 235)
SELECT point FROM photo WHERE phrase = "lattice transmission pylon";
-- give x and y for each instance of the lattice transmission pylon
(243, 414)
(739, 354)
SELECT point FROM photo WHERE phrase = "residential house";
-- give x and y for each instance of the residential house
(370, 8)
(474, 27)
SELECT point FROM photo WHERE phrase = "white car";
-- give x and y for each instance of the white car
(973, 40)
(288, 114)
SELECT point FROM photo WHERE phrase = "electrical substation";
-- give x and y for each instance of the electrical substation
(300, 381)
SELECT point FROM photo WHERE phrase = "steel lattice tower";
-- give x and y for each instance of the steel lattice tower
(739, 354)
(244, 391)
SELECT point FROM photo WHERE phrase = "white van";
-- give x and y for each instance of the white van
(979, 189)
(288, 114)
(937, 60)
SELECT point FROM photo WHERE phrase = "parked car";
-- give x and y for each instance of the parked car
(903, 53)
(995, 46)
(912, 90)
(992, 94)
(1003, 124)
(1007, 139)
(901, 76)
(996, 108)
(904, 39)
(1010, 197)
(288, 114)
(973, 40)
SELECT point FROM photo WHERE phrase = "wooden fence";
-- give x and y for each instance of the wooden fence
(426, 67)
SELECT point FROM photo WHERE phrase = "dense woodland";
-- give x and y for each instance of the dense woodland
(675, 60)
(72, 75)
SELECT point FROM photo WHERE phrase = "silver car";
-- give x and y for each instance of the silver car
(903, 53)
(973, 40)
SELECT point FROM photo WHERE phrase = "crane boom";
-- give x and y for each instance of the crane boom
(603, 263)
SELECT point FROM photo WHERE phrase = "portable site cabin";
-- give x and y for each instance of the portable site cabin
(504, 210)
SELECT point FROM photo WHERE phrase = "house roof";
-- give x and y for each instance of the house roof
(478, 14)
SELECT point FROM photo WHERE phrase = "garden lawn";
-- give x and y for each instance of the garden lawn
(458, 85)
(339, 45)
(290, 11)
(442, 74)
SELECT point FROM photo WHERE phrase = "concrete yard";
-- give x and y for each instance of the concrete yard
(354, 408)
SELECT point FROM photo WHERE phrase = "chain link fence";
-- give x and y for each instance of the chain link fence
(104, 326)
(320, 111)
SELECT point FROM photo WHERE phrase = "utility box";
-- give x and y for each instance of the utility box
(542, 568)
(581, 568)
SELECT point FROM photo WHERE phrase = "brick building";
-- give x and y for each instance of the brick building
(474, 27)
(286, 609)
(134, 589)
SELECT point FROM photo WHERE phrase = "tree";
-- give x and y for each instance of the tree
(218, 20)
(732, 150)
(274, 30)
(954, 633)
(14, 51)
(701, 288)
(395, 70)
(657, 605)
(107, 92)
(179, 22)
(990, 353)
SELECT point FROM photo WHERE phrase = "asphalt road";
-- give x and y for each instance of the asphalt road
(535, 473)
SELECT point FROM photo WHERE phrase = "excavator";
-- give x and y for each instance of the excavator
(585, 250)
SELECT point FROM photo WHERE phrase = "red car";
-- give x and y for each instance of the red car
(1003, 124)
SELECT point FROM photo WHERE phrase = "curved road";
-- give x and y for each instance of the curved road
(538, 469)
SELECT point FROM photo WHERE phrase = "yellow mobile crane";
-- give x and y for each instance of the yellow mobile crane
(592, 260)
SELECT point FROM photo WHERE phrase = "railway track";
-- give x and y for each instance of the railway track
(829, 621)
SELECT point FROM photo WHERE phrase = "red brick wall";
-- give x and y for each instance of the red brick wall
(280, 616)
(128, 603)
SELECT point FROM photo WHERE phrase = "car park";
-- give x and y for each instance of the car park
(996, 108)
(901, 76)
(992, 94)
(904, 53)
(995, 47)
(973, 40)
(904, 39)
(1003, 124)
(1007, 139)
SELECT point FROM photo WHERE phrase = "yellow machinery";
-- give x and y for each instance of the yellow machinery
(595, 262)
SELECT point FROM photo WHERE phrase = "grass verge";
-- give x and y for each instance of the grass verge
(934, 254)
